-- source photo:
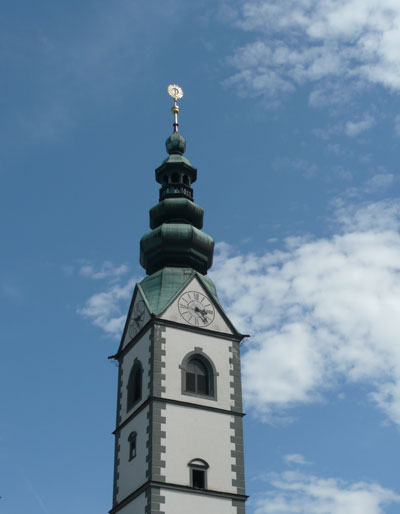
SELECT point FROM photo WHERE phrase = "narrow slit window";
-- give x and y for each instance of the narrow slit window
(132, 445)
(138, 385)
(134, 385)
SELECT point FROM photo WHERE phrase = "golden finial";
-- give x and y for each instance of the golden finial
(176, 93)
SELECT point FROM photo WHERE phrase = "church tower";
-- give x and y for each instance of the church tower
(178, 436)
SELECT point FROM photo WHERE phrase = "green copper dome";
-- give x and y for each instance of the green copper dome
(176, 210)
(176, 239)
(175, 144)
(176, 244)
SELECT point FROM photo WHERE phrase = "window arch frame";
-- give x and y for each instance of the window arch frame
(132, 397)
(198, 464)
(198, 354)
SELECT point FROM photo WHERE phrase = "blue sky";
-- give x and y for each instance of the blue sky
(292, 116)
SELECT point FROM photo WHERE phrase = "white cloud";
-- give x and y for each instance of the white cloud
(298, 493)
(106, 270)
(320, 310)
(335, 46)
(355, 128)
(108, 309)
(295, 458)
(378, 182)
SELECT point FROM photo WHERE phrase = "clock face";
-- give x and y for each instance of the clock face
(196, 309)
(137, 318)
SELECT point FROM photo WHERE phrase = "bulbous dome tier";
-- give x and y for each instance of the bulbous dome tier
(175, 143)
(176, 240)
(176, 245)
(176, 210)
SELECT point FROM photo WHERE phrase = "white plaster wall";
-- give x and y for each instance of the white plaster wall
(132, 474)
(173, 314)
(193, 433)
(185, 503)
(140, 350)
(136, 506)
(178, 344)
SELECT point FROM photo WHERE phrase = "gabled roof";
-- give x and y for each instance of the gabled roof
(160, 289)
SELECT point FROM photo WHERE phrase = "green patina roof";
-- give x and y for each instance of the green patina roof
(162, 287)
(175, 144)
(176, 158)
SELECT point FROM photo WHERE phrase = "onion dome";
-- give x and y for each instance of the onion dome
(176, 239)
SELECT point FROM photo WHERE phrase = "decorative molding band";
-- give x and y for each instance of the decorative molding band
(198, 330)
(203, 492)
(175, 402)
(153, 320)
(157, 486)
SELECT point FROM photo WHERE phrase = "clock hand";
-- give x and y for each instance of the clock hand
(138, 319)
(201, 312)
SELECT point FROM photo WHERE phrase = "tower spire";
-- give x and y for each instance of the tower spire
(176, 239)
(176, 93)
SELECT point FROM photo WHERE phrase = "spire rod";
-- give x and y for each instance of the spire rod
(176, 93)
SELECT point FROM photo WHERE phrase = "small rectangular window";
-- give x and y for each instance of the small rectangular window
(191, 382)
(198, 478)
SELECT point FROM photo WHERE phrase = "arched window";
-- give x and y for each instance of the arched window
(197, 379)
(198, 473)
(132, 445)
(135, 384)
(198, 375)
